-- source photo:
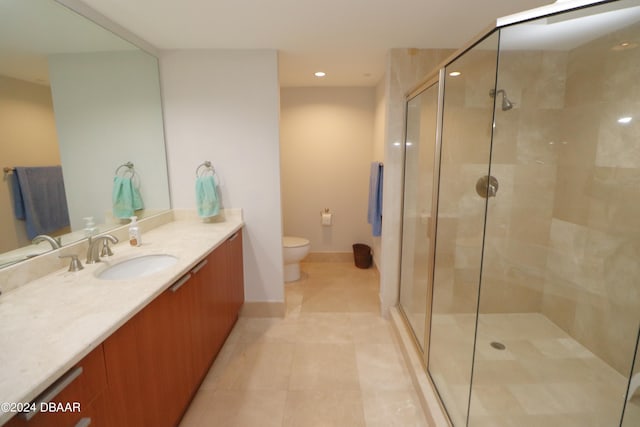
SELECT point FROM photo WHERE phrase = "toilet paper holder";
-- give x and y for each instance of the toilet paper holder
(326, 217)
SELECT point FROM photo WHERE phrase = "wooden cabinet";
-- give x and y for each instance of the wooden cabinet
(157, 360)
(236, 278)
(77, 398)
(164, 351)
(219, 298)
(124, 396)
(146, 373)
(206, 330)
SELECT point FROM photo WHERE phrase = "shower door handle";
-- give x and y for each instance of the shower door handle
(487, 186)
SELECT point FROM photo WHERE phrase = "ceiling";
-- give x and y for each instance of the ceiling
(568, 31)
(347, 39)
(30, 31)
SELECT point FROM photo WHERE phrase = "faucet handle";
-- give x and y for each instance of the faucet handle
(106, 250)
(93, 255)
(75, 265)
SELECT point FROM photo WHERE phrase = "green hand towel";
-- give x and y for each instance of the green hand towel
(122, 197)
(137, 198)
(207, 200)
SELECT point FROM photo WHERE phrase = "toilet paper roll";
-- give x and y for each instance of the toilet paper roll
(326, 219)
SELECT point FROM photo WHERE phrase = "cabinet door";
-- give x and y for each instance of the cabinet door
(200, 354)
(124, 392)
(71, 397)
(214, 301)
(164, 346)
(236, 273)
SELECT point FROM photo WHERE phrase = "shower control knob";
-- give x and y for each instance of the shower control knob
(487, 186)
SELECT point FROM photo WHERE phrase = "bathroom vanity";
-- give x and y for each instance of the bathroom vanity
(128, 352)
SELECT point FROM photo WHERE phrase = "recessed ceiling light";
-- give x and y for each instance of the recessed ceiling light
(625, 120)
(319, 74)
(455, 73)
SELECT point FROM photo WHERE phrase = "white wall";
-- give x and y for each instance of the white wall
(326, 146)
(108, 112)
(379, 133)
(223, 106)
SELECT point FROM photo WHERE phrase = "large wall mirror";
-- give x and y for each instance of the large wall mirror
(76, 96)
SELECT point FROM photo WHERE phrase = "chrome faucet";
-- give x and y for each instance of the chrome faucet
(93, 254)
(55, 243)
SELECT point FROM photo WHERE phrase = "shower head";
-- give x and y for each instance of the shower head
(506, 103)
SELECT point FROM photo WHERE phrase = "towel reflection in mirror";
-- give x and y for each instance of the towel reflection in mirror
(39, 199)
(126, 196)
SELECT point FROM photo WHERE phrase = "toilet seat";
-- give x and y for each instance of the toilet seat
(294, 242)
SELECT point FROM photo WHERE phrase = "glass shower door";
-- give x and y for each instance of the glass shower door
(560, 301)
(419, 149)
(464, 167)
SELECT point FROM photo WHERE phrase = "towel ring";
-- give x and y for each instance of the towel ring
(135, 178)
(208, 166)
(129, 167)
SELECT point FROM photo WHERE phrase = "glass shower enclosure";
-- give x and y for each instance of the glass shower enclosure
(520, 267)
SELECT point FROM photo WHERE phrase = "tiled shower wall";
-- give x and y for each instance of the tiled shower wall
(593, 262)
(563, 235)
(524, 161)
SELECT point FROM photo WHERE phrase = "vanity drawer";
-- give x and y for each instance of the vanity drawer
(72, 398)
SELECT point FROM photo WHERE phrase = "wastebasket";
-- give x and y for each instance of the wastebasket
(362, 255)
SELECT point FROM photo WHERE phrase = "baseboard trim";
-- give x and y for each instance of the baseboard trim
(428, 397)
(263, 309)
(329, 257)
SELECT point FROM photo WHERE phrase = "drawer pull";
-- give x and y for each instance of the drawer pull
(84, 422)
(199, 266)
(179, 283)
(234, 237)
(49, 394)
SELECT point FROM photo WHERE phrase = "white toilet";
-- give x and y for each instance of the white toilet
(294, 250)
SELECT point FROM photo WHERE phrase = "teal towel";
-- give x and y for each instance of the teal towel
(137, 198)
(126, 198)
(207, 200)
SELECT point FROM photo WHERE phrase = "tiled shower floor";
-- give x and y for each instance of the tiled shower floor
(542, 378)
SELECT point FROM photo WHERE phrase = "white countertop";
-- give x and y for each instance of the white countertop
(51, 323)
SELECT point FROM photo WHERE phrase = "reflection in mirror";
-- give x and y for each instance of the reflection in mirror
(72, 94)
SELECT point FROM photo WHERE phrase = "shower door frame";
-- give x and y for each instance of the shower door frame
(434, 79)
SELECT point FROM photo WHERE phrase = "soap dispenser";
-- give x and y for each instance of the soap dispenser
(134, 232)
(90, 228)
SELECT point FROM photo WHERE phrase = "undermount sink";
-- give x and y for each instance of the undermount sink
(137, 267)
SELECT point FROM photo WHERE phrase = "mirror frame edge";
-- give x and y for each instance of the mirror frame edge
(98, 18)
(85, 11)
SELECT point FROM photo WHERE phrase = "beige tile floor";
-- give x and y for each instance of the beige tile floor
(331, 362)
(542, 378)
